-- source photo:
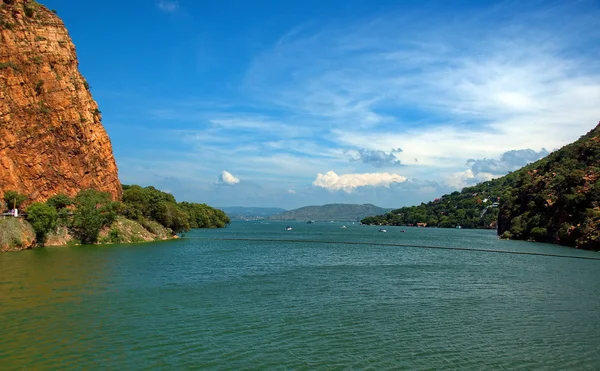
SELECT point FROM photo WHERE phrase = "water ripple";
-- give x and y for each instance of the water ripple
(240, 305)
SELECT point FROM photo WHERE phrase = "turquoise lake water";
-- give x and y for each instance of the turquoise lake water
(201, 303)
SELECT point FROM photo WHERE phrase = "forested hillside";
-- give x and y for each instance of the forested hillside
(556, 199)
(473, 207)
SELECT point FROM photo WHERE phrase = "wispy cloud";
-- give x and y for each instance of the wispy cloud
(509, 78)
(509, 161)
(168, 6)
(376, 158)
(489, 168)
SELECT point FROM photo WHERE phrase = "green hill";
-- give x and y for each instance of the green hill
(473, 207)
(241, 212)
(556, 199)
(330, 212)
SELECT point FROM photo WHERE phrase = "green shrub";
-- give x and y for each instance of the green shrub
(4, 65)
(7, 25)
(43, 220)
(29, 9)
(114, 236)
(59, 201)
(39, 87)
(539, 234)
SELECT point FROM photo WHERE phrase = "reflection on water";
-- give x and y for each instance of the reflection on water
(200, 303)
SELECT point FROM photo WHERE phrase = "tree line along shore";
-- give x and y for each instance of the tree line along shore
(143, 214)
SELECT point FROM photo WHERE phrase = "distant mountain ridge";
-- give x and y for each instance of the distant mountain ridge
(242, 212)
(331, 212)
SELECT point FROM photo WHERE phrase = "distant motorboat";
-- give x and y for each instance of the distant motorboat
(382, 230)
(458, 227)
(343, 226)
(288, 228)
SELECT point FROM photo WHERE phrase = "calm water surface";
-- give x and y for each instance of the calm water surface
(199, 303)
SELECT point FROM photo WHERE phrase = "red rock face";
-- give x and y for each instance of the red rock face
(51, 136)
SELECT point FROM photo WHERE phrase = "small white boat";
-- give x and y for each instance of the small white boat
(343, 226)
(288, 228)
(382, 230)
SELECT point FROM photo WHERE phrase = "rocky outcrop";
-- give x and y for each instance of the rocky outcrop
(15, 235)
(51, 137)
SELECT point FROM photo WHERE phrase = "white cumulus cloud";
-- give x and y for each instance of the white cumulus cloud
(227, 178)
(348, 182)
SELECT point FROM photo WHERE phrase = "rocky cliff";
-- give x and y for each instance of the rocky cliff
(51, 137)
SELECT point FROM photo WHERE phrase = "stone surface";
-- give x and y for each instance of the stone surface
(51, 136)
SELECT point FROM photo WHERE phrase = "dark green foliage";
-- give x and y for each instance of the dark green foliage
(7, 25)
(14, 199)
(60, 201)
(150, 203)
(29, 8)
(144, 201)
(43, 220)
(204, 216)
(114, 236)
(473, 207)
(63, 217)
(557, 199)
(4, 65)
(171, 216)
(93, 211)
(39, 87)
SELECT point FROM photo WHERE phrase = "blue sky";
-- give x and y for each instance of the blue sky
(294, 103)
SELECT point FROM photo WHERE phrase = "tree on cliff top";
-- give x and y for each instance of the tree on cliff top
(14, 199)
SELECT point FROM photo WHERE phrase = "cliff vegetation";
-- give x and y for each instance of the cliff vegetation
(556, 200)
(145, 214)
